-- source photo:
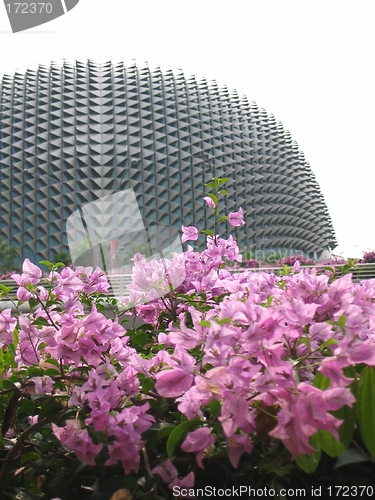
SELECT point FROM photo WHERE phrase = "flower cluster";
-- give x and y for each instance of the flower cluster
(369, 257)
(222, 353)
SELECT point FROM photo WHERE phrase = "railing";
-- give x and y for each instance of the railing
(359, 272)
(119, 281)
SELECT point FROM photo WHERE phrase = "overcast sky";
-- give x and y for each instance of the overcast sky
(310, 64)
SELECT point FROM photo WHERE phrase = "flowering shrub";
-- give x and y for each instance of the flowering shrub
(250, 374)
(252, 263)
(369, 257)
(292, 259)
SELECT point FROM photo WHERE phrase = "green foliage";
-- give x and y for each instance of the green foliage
(63, 257)
(9, 258)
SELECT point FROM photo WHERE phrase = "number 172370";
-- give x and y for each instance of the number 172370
(350, 491)
(29, 8)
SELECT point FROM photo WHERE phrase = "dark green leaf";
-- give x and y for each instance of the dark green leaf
(140, 338)
(165, 432)
(346, 429)
(49, 408)
(115, 483)
(40, 322)
(352, 456)
(29, 457)
(179, 433)
(366, 408)
(147, 384)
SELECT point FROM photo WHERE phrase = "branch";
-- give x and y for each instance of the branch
(20, 442)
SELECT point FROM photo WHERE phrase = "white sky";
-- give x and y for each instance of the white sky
(309, 63)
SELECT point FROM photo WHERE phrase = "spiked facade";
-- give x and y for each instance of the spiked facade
(74, 132)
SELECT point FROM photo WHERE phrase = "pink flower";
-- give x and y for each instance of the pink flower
(23, 294)
(186, 482)
(7, 326)
(78, 440)
(210, 202)
(166, 470)
(237, 445)
(30, 274)
(190, 233)
(42, 385)
(236, 218)
(198, 441)
(173, 383)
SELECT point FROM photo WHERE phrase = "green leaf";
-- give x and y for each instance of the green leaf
(179, 433)
(221, 181)
(328, 343)
(5, 289)
(329, 443)
(223, 321)
(204, 322)
(212, 185)
(213, 198)
(366, 408)
(27, 407)
(329, 268)
(140, 338)
(341, 321)
(321, 381)
(346, 429)
(147, 384)
(48, 408)
(223, 218)
(222, 191)
(352, 456)
(46, 263)
(33, 303)
(40, 322)
(309, 463)
(31, 456)
(304, 340)
(215, 407)
(208, 232)
(164, 432)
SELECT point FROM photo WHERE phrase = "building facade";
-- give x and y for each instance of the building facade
(74, 132)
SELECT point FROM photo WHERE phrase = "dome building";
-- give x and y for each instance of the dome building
(75, 132)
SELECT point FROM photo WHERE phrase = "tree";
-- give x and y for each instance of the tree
(9, 258)
(62, 256)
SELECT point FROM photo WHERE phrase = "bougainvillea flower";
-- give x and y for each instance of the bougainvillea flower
(210, 202)
(197, 442)
(173, 383)
(166, 470)
(236, 218)
(189, 233)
